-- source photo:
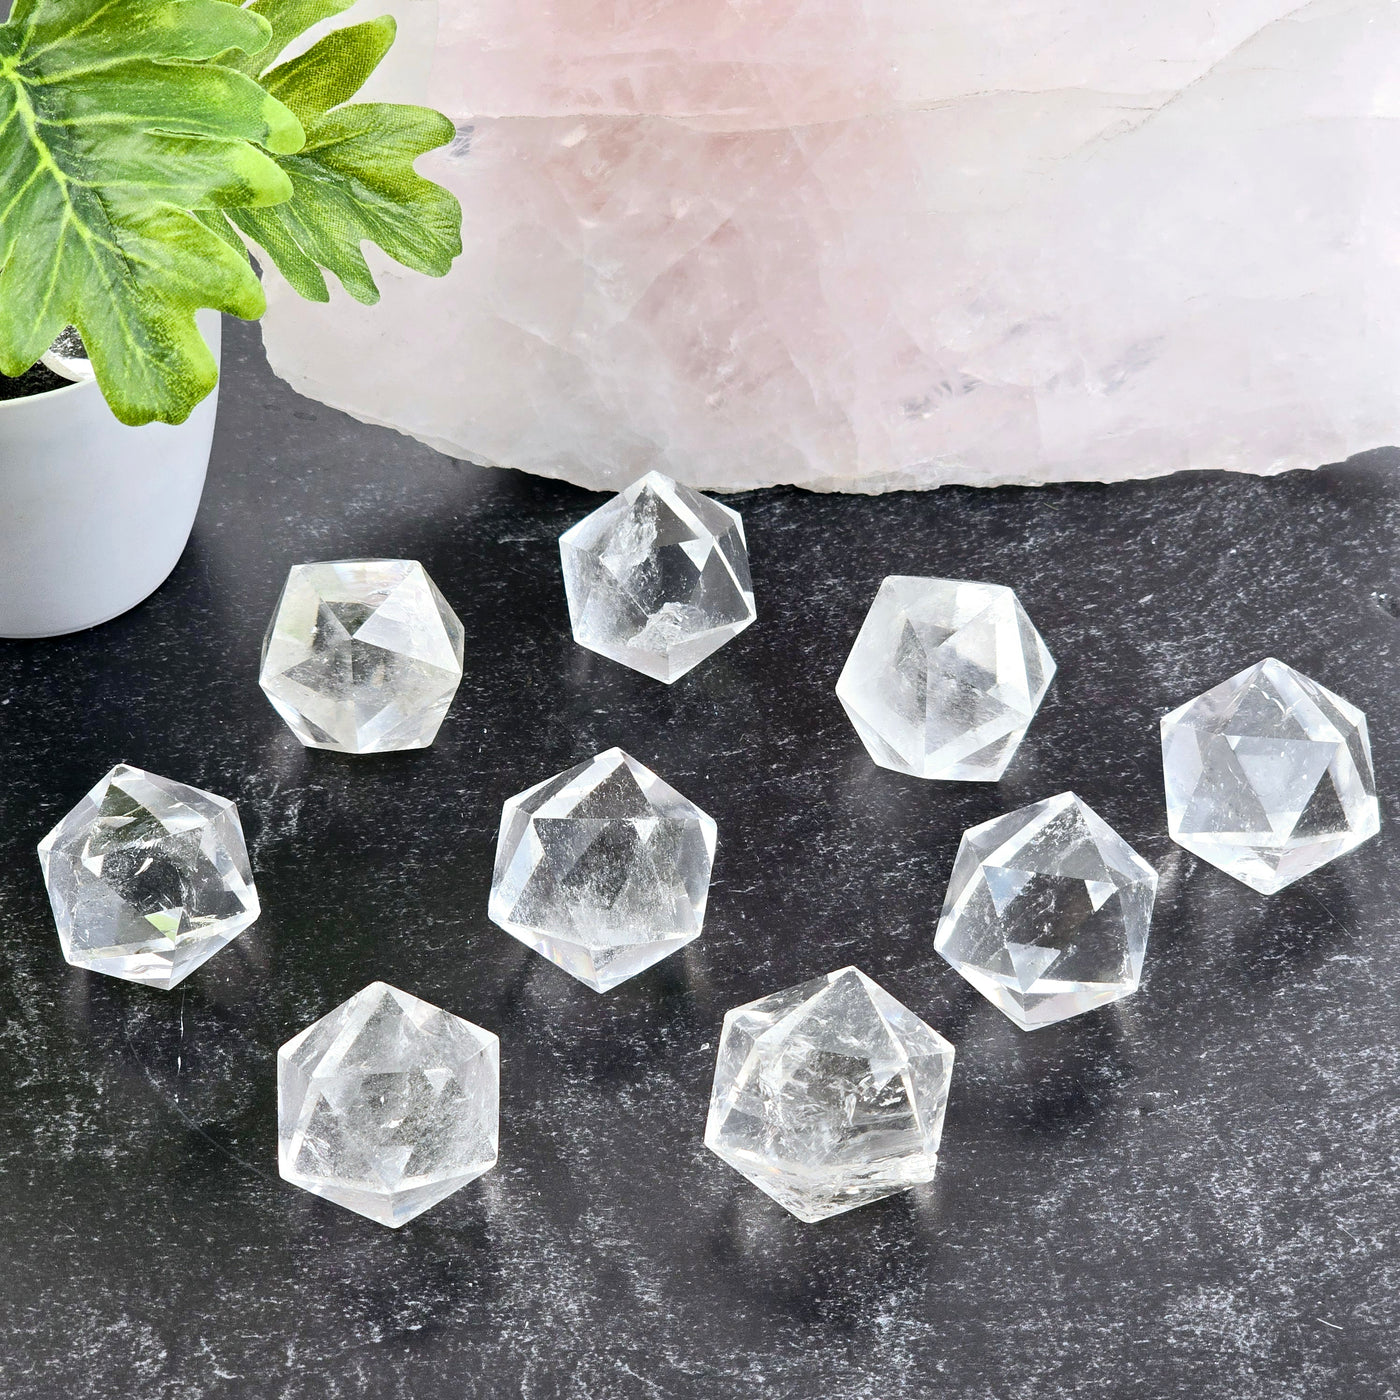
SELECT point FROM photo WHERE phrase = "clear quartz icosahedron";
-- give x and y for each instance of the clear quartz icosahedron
(1268, 776)
(1047, 912)
(944, 678)
(829, 1095)
(603, 869)
(387, 1104)
(658, 577)
(362, 655)
(148, 878)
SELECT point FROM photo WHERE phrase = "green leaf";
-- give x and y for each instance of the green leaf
(353, 181)
(290, 19)
(334, 70)
(113, 127)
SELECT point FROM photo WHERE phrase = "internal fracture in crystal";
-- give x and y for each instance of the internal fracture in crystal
(829, 1095)
(604, 869)
(944, 678)
(1269, 776)
(1047, 912)
(387, 1104)
(148, 878)
(658, 578)
(362, 655)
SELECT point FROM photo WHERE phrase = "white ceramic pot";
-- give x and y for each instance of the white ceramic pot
(93, 515)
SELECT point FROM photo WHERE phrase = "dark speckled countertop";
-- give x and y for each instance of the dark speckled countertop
(1195, 1194)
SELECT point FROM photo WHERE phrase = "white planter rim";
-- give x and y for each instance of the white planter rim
(7, 404)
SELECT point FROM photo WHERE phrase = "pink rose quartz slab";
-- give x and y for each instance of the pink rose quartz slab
(893, 244)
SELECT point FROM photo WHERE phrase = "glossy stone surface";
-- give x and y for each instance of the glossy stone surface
(603, 869)
(362, 655)
(944, 678)
(829, 1095)
(658, 578)
(387, 1104)
(1269, 776)
(1047, 912)
(1209, 1164)
(148, 878)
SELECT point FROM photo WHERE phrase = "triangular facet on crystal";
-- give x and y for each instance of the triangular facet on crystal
(944, 678)
(604, 870)
(1028, 962)
(148, 878)
(1047, 912)
(657, 578)
(1005, 884)
(829, 1095)
(1268, 776)
(387, 1105)
(362, 655)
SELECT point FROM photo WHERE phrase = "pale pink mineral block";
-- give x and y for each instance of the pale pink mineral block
(898, 243)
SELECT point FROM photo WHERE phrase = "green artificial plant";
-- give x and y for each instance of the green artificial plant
(144, 144)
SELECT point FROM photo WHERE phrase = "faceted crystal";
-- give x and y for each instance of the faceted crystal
(604, 869)
(657, 578)
(387, 1105)
(362, 655)
(1269, 776)
(148, 878)
(1047, 912)
(829, 1095)
(944, 678)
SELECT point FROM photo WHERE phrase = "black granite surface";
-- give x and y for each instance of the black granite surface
(1194, 1194)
